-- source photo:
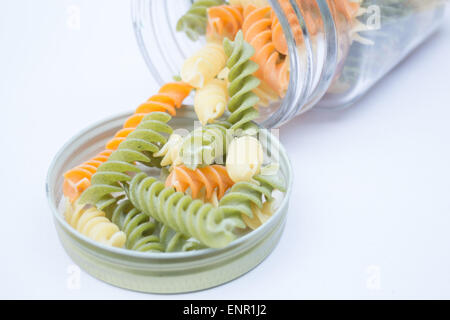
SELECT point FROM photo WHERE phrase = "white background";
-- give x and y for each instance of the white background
(370, 210)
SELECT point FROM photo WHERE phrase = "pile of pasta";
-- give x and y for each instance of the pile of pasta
(154, 190)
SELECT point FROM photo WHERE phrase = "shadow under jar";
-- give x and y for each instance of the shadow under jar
(337, 49)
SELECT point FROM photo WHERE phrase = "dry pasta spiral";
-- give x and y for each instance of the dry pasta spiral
(244, 158)
(193, 22)
(140, 230)
(212, 226)
(260, 215)
(170, 152)
(169, 97)
(78, 179)
(241, 84)
(145, 140)
(203, 65)
(205, 145)
(211, 101)
(307, 9)
(146, 234)
(273, 67)
(212, 178)
(93, 223)
(244, 196)
(224, 21)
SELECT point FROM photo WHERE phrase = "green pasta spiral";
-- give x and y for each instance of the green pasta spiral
(175, 241)
(139, 146)
(205, 145)
(241, 84)
(140, 230)
(242, 195)
(146, 234)
(193, 22)
(193, 218)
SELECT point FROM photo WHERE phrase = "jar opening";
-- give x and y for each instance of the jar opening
(337, 49)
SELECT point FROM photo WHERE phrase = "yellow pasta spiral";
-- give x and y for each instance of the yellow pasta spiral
(204, 65)
(244, 158)
(171, 151)
(260, 215)
(210, 101)
(93, 223)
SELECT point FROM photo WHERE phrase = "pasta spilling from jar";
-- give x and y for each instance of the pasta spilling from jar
(211, 188)
(218, 181)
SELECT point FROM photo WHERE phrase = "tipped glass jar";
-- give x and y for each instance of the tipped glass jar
(336, 49)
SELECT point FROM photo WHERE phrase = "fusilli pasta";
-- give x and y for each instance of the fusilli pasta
(171, 151)
(210, 101)
(78, 179)
(244, 158)
(205, 145)
(212, 178)
(203, 65)
(242, 196)
(140, 230)
(193, 22)
(260, 215)
(307, 9)
(273, 67)
(93, 223)
(211, 226)
(224, 21)
(241, 84)
(139, 146)
(169, 97)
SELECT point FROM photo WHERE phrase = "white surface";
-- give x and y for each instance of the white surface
(370, 211)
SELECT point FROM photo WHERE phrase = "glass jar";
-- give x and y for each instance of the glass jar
(332, 62)
(172, 272)
(337, 49)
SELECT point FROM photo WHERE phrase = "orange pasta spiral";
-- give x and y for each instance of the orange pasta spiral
(308, 9)
(212, 178)
(277, 32)
(273, 67)
(169, 97)
(347, 8)
(78, 179)
(224, 21)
